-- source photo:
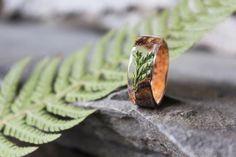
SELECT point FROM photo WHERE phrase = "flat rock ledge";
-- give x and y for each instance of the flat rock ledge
(177, 128)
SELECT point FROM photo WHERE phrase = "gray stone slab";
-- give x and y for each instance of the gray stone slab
(199, 122)
(55, 150)
(184, 128)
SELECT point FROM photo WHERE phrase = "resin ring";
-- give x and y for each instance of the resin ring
(147, 71)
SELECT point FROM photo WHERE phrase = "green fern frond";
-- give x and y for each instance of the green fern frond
(99, 53)
(9, 85)
(26, 133)
(49, 123)
(9, 149)
(130, 38)
(38, 111)
(117, 46)
(79, 66)
(144, 63)
(26, 92)
(63, 76)
(27, 115)
(69, 111)
(44, 86)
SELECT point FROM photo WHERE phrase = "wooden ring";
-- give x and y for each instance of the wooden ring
(147, 71)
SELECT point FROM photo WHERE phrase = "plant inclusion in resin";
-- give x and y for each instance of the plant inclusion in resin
(147, 71)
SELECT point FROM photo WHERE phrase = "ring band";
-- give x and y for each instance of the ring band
(147, 71)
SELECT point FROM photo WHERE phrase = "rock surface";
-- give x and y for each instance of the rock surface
(192, 124)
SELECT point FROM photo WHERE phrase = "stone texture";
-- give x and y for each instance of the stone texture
(55, 150)
(194, 129)
(199, 121)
